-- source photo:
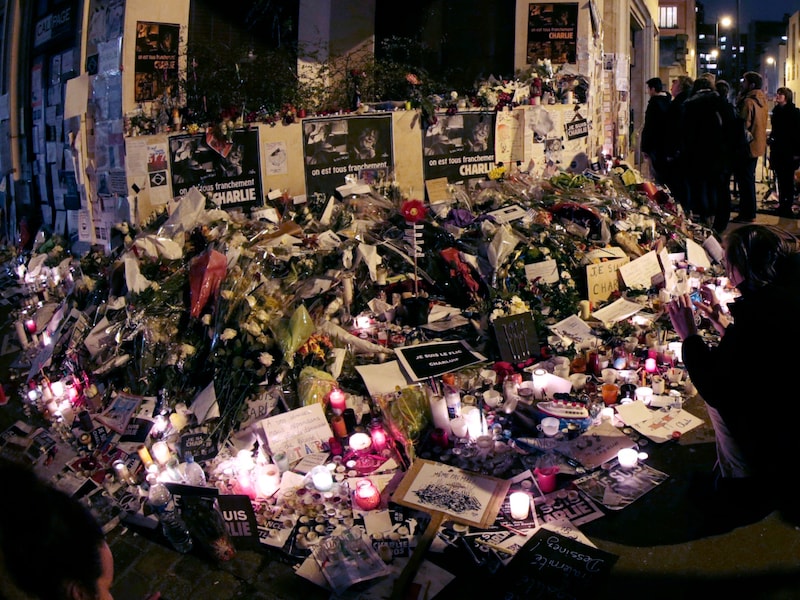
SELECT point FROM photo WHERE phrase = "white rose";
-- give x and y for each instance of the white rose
(252, 328)
(188, 350)
(228, 334)
(251, 301)
(206, 319)
(266, 359)
(226, 294)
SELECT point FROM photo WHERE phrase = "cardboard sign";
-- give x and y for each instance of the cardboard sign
(602, 279)
(301, 431)
(240, 520)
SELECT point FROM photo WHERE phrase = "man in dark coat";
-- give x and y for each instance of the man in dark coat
(784, 148)
(653, 132)
(675, 170)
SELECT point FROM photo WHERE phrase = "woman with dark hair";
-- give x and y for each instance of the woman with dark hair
(750, 478)
(784, 148)
(51, 546)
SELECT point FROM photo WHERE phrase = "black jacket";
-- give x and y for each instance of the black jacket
(749, 376)
(655, 125)
(784, 140)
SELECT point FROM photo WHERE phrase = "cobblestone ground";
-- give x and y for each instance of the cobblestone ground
(143, 566)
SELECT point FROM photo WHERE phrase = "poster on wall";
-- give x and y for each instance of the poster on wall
(156, 62)
(229, 171)
(552, 32)
(334, 148)
(460, 147)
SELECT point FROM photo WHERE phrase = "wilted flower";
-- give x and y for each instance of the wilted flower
(266, 359)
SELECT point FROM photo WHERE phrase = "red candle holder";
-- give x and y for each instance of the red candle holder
(367, 495)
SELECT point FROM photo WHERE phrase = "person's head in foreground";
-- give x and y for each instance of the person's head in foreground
(51, 546)
(755, 255)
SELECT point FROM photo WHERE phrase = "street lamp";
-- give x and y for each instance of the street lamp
(769, 86)
(725, 22)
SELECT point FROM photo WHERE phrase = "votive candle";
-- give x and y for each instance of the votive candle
(520, 504)
(337, 401)
(161, 452)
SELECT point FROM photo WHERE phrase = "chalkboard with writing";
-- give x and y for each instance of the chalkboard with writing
(551, 565)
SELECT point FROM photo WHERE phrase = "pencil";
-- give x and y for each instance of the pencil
(496, 547)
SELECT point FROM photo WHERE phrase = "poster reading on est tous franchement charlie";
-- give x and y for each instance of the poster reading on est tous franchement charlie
(552, 32)
(228, 169)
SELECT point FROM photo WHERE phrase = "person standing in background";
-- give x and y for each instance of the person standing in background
(673, 146)
(734, 149)
(653, 132)
(752, 108)
(703, 143)
(784, 148)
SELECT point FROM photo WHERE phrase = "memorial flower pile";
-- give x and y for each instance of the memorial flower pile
(205, 302)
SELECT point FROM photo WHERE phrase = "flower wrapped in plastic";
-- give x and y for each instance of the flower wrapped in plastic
(291, 334)
(406, 414)
(314, 386)
(206, 273)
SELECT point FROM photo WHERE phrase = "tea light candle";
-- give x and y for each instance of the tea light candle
(520, 505)
(650, 365)
(337, 401)
(628, 458)
(161, 452)
(30, 325)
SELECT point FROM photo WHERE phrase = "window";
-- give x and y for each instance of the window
(668, 17)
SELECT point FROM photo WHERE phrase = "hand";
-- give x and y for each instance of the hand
(682, 316)
(712, 309)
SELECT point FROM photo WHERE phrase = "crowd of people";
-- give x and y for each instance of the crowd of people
(697, 142)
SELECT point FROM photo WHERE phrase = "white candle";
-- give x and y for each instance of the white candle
(520, 505)
(322, 478)
(161, 452)
(459, 427)
(360, 442)
(645, 394)
(439, 411)
(268, 480)
(628, 457)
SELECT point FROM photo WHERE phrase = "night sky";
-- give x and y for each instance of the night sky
(761, 10)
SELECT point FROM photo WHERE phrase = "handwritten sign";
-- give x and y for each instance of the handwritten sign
(639, 273)
(298, 432)
(546, 271)
(602, 279)
(551, 565)
(429, 360)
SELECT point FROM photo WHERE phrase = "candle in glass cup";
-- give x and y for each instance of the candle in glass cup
(337, 401)
(161, 453)
(520, 504)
